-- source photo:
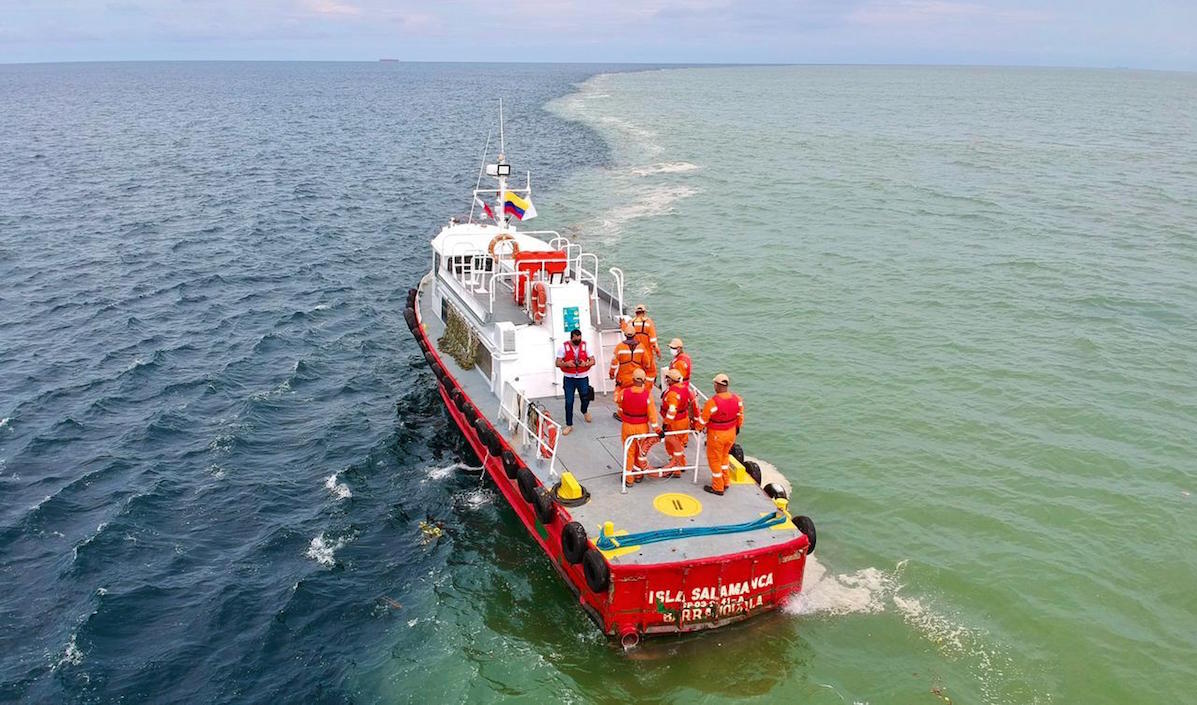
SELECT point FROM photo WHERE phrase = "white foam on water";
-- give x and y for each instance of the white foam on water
(443, 473)
(322, 307)
(323, 550)
(476, 498)
(71, 655)
(866, 591)
(338, 490)
(664, 168)
(4, 422)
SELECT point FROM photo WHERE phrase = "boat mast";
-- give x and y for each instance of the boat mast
(502, 169)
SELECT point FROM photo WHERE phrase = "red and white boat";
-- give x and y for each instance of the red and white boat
(662, 557)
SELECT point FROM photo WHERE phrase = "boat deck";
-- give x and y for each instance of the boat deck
(592, 452)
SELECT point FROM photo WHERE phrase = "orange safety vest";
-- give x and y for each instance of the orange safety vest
(633, 406)
(683, 364)
(683, 399)
(570, 353)
(726, 413)
(646, 332)
(636, 359)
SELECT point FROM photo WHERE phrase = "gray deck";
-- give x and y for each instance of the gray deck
(592, 452)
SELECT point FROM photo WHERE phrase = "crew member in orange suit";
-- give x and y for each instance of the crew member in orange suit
(639, 415)
(628, 357)
(681, 360)
(678, 406)
(646, 333)
(722, 418)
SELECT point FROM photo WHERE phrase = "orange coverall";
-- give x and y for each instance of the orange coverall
(646, 333)
(682, 363)
(639, 415)
(625, 361)
(679, 406)
(722, 416)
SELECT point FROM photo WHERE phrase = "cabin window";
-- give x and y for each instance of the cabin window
(483, 361)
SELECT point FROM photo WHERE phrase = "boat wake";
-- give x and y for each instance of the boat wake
(323, 550)
(339, 490)
(866, 591)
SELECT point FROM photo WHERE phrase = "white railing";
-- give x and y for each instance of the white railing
(627, 447)
(617, 274)
(517, 418)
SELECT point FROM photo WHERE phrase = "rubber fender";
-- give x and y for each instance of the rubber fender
(546, 509)
(469, 411)
(430, 359)
(738, 453)
(447, 381)
(423, 343)
(753, 470)
(458, 398)
(493, 443)
(807, 526)
(485, 434)
(775, 492)
(594, 567)
(409, 315)
(511, 464)
(574, 542)
(411, 298)
(527, 482)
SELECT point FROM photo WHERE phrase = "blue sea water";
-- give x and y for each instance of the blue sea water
(961, 304)
(207, 493)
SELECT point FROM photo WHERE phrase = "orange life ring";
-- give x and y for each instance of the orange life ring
(540, 301)
(548, 436)
(503, 237)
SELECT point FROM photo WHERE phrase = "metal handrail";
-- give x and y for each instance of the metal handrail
(520, 417)
(627, 446)
(617, 273)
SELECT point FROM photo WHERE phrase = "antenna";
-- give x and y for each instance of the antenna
(502, 142)
(481, 169)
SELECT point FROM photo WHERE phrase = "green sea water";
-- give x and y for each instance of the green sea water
(961, 305)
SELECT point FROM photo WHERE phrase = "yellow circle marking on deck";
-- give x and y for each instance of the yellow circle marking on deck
(675, 504)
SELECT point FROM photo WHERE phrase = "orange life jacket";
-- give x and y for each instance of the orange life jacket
(726, 414)
(684, 399)
(633, 407)
(570, 353)
(683, 364)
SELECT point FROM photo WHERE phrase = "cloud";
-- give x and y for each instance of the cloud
(938, 12)
(331, 8)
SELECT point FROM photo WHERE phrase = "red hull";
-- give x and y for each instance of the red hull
(662, 598)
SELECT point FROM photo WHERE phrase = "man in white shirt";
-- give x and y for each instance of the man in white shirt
(575, 362)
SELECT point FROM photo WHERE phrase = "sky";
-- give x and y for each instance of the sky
(1156, 34)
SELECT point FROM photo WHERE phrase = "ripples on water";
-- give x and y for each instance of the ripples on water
(207, 492)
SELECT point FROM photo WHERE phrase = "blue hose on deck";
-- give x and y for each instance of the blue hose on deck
(608, 543)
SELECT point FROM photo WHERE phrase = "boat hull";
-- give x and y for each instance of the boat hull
(639, 599)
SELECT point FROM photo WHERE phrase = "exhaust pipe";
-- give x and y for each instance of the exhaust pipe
(628, 637)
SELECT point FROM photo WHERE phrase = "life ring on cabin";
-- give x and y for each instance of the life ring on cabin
(500, 238)
(540, 301)
(547, 433)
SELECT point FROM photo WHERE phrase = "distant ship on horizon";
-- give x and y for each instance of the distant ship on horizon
(389, 61)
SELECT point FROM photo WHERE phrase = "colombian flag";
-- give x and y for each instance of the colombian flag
(521, 208)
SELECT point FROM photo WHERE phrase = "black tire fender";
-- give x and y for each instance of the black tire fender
(807, 526)
(457, 397)
(431, 359)
(546, 509)
(574, 542)
(594, 567)
(738, 453)
(753, 470)
(486, 435)
(409, 315)
(511, 464)
(468, 410)
(774, 491)
(527, 484)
